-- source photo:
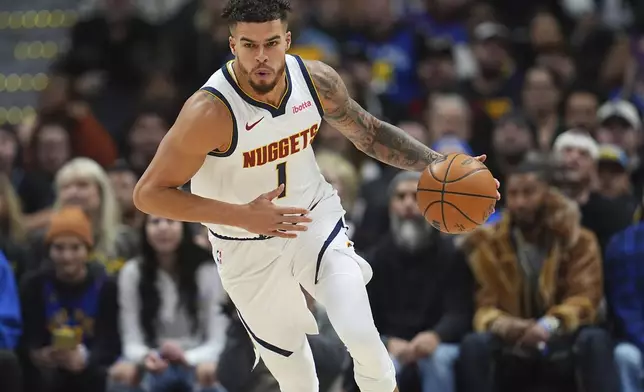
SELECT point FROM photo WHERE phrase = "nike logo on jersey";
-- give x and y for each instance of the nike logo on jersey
(249, 127)
(280, 149)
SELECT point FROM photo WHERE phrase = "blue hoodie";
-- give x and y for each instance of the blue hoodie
(10, 320)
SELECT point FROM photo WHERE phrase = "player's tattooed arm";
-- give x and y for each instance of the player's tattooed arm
(376, 138)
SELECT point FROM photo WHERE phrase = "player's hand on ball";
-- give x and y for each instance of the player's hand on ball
(482, 158)
(265, 218)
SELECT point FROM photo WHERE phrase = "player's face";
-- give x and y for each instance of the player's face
(260, 49)
(525, 195)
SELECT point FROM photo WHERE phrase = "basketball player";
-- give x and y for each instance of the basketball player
(244, 140)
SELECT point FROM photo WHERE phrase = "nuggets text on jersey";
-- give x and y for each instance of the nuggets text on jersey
(280, 149)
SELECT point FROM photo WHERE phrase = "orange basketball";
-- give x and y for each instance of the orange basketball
(456, 193)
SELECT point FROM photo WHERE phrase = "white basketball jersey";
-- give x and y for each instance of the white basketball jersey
(270, 145)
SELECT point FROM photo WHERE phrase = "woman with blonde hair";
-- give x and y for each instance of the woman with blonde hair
(13, 235)
(84, 183)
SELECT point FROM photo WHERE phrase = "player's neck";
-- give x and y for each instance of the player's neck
(274, 97)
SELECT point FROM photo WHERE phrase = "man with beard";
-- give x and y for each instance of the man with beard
(424, 319)
(578, 155)
(539, 286)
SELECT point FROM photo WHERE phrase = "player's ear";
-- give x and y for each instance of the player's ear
(288, 40)
(232, 45)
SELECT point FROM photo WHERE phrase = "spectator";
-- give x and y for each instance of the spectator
(620, 124)
(9, 151)
(581, 111)
(171, 322)
(123, 180)
(579, 154)
(449, 115)
(308, 41)
(344, 178)
(436, 67)
(614, 175)
(82, 182)
(149, 127)
(444, 20)
(10, 328)
(625, 297)
(50, 148)
(13, 236)
(539, 287)
(60, 101)
(541, 98)
(392, 47)
(110, 60)
(512, 139)
(424, 319)
(496, 88)
(70, 310)
(11, 166)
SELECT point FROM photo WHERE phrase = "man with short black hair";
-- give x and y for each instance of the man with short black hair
(539, 288)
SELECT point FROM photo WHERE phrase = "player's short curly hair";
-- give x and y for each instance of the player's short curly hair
(255, 11)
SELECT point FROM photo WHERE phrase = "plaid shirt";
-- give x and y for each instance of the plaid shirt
(624, 275)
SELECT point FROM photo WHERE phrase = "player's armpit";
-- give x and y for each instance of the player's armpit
(376, 138)
(203, 125)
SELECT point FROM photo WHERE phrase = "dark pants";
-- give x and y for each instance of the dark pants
(238, 357)
(10, 372)
(91, 379)
(486, 364)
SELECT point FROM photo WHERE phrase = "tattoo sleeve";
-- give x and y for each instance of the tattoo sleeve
(375, 138)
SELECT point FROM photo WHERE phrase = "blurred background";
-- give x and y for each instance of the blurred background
(99, 301)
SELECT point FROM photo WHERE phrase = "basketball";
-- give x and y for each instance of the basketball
(456, 193)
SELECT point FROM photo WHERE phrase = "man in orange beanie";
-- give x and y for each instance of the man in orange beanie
(70, 311)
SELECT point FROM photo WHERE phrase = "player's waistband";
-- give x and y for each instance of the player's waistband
(227, 238)
(259, 237)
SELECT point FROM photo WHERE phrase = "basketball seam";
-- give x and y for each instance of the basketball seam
(443, 191)
(480, 169)
(457, 193)
(462, 213)
(430, 204)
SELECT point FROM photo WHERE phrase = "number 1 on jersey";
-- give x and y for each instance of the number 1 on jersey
(281, 178)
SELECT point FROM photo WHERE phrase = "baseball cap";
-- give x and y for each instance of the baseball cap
(620, 109)
(614, 154)
(437, 47)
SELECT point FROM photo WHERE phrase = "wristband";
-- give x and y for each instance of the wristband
(550, 324)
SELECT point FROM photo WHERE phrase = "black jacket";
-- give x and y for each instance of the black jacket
(412, 293)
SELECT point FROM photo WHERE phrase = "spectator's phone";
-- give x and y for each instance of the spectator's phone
(64, 339)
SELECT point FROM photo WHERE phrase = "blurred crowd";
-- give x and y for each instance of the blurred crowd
(547, 296)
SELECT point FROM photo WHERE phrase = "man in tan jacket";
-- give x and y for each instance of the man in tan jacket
(539, 286)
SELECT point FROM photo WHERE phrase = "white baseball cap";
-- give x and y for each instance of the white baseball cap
(620, 109)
